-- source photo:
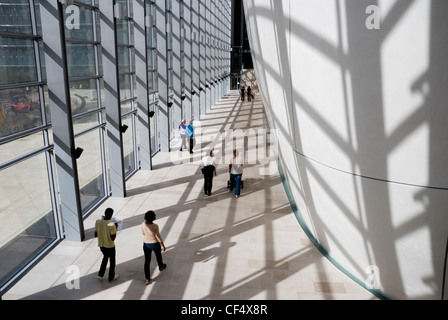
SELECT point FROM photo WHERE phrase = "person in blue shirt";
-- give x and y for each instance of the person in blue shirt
(190, 133)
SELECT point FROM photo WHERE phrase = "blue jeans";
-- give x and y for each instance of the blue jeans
(235, 182)
(148, 248)
(183, 137)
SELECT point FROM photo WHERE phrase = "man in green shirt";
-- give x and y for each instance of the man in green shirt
(106, 231)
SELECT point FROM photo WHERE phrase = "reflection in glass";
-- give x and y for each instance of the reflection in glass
(17, 60)
(15, 16)
(81, 60)
(19, 110)
(28, 224)
(90, 169)
(83, 96)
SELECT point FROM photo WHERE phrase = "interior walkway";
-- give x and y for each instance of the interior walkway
(218, 247)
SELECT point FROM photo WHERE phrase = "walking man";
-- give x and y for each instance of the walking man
(208, 169)
(106, 232)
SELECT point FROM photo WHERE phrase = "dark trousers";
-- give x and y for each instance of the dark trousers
(208, 179)
(148, 248)
(191, 145)
(108, 256)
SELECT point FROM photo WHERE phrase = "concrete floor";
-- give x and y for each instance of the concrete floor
(218, 247)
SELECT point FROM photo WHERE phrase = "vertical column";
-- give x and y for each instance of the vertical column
(195, 59)
(60, 108)
(228, 55)
(186, 37)
(142, 84)
(163, 111)
(202, 57)
(207, 54)
(213, 47)
(177, 83)
(112, 98)
(219, 39)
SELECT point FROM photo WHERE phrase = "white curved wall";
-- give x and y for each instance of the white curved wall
(360, 116)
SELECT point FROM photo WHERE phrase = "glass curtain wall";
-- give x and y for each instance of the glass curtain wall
(86, 98)
(128, 93)
(28, 205)
(153, 93)
(31, 202)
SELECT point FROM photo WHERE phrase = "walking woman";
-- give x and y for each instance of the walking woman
(152, 241)
(236, 173)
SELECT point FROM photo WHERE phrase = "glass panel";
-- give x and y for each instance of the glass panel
(15, 16)
(90, 169)
(81, 60)
(19, 147)
(26, 212)
(125, 87)
(19, 110)
(123, 59)
(126, 107)
(128, 146)
(122, 32)
(85, 122)
(83, 96)
(17, 61)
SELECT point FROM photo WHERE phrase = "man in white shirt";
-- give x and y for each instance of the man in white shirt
(208, 169)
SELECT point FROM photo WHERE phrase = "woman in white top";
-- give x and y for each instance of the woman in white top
(152, 241)
(208, 169)
(183, 136)
(236, 173)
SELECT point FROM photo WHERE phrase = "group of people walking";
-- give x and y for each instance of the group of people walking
(208, 168)
(106, 228)
(243, 91)
(106, 232)
(186, 135)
